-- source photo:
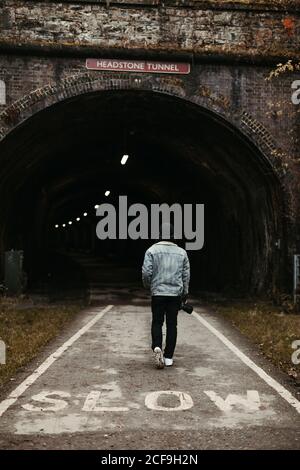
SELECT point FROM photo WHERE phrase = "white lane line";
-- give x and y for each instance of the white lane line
(15, 394)
(283, 392)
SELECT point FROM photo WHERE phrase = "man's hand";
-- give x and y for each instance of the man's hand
(184, 298)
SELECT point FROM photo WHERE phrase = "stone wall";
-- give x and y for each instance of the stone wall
(201, 31)
(231, 48)
(238, 87)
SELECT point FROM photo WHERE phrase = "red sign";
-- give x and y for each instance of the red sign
(114, 65)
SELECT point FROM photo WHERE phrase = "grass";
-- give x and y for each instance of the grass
(26, 329)
(270, 328)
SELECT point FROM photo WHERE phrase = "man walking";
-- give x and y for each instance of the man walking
(166, 271)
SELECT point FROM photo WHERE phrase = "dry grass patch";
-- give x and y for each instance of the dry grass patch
(26, 329)
(270, 328)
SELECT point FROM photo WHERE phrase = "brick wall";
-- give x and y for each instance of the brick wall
(242, 87)
(45, 42)
(162, 27)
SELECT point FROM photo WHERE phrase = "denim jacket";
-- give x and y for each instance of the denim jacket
(166, 269)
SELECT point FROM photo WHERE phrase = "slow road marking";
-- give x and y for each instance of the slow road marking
(283, 392)
(15, 394)
(96, 401)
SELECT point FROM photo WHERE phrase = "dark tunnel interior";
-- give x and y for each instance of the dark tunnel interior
(58, 164)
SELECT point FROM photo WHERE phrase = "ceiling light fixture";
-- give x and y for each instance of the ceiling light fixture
(124, 159)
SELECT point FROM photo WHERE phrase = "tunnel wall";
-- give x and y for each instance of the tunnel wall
(243, 121)
(43, 46)
(240, 93)
(231, 87)
(236, 28)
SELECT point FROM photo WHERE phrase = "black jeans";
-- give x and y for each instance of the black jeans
(165, 305)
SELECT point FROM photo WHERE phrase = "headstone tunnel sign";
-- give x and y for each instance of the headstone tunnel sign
(115, 65)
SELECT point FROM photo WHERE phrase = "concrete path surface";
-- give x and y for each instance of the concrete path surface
(96, 387)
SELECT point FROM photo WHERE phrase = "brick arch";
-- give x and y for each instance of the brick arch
(88, 82)
(213, 104)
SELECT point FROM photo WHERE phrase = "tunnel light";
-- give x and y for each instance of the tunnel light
(107, 193)
(85, 214)
(56, 226)
(78, 218)
(96, 206)
(70, 222)
(64, 225)
(124, 159)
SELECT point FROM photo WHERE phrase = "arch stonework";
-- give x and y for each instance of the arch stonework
(207, 99)
(89, 82)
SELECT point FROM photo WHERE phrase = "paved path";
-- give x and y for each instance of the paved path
(100, 390)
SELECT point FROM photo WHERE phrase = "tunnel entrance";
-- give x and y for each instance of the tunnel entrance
(58, 164)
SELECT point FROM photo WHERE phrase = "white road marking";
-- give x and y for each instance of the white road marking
(56, 404)
(93, 398)
(282, 391)
(250, 403)
(151, 400)
(15, 394)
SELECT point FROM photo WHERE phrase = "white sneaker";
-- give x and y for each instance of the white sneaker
(159, 358)
(168, 362)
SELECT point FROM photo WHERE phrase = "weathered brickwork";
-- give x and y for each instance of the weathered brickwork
(231, 49)
(236, 89)
(161, 28)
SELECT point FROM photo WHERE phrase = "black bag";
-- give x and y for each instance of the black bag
(188, 308)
